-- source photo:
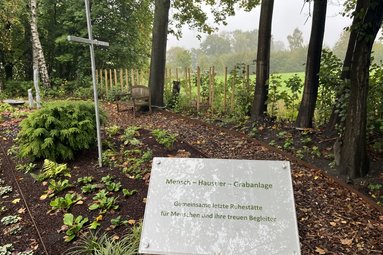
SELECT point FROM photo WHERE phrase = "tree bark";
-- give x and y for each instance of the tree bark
(354, 159)
(310, 91)
(158, 55)
(259, 107)
(345, 75)
(38, 55)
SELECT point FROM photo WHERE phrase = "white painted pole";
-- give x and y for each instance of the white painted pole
(37, 88)
(93, 62)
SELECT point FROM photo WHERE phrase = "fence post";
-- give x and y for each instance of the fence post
(127, 79)
(198, 86)
(106, 82)
(115, 78)
(121, 80)
(212, 87)
(190, 86)
(233, 90)
(110, 80)
(225, 90)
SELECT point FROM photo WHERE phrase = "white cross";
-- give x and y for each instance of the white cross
(91, 43)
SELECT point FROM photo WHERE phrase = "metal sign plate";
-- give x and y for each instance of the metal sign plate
(220, 206)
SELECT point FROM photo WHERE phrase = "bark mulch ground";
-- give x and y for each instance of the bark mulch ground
(332, 219)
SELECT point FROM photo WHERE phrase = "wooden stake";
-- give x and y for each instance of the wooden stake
(212, 87)
(121, 80)
(190, 86)
(106, 82)
(110, 79)
(225, 90)
(101, 80)
(233, 91)
(127, 79)
(198, 86)
(115, 78)
(248, 79)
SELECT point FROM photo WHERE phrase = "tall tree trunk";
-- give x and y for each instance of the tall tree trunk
(310, 91)
(259, 108)
(354, 159)
(38, 55)
(335, 118)
(158, 55)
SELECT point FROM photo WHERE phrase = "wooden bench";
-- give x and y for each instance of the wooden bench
(139, 96)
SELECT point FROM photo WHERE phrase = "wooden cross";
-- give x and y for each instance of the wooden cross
(91, 43)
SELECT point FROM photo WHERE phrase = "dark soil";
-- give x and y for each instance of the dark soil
(332, 219)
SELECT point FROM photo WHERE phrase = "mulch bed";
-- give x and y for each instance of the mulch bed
(331, 218)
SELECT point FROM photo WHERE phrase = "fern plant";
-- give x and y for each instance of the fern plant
(58, 130)
(51, 170)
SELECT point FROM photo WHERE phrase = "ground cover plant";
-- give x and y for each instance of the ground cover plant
(76, 197)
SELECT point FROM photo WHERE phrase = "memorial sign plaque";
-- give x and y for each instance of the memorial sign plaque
(220, 206)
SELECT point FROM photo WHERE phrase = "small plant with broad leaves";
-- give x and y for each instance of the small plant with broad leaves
(4, 190)
(55, 187)
(89, 188)
(103, 202)
(65, 202)
(74, 225)
(51, 170)
(85, 179)
(118, 221)
(128, 193)
(164, 138)
(129, 136)
(112, 130)
(10, 219)
(6, 249)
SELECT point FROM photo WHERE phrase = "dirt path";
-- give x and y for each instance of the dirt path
(331, 218)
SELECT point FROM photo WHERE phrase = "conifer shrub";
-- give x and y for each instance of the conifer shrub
(58, 130)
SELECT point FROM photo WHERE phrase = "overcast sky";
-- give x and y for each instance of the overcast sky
(287, 15)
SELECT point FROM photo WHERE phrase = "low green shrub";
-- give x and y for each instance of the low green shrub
(58, 130)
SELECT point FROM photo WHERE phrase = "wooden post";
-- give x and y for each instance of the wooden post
(190, 86)
(198, 86)
(132, 77)
(137, 77)
(177, 74)
(110, 79)
(106, 82)
(212, 87)
(97, 83)
(127, 79)
(121, 80)
(225, 90)
(170, 80)
(233, 90)
(101, 80)
(248, 79)
(115, 78)
(209, 101)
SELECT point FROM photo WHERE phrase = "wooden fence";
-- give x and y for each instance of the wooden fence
(110, 80)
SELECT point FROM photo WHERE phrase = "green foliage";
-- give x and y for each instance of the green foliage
(118, 221)
(164, 138)
(295, 85)
(11, 219)
(26, 168)
(88, 188)
(66, 202)
(330, 85)
(135, 160)
(103, 202)
(58, 186)
(4, 190)
(112, 130)
(17, 88)
(4, 107)
(58, 130)
(274, 96)
(74, 225)
(106, 245)
(128, 193)
(85, 179)
(51, 170)
(6, 249)
(130, 134)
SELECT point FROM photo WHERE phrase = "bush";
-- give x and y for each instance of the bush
(58, 130)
